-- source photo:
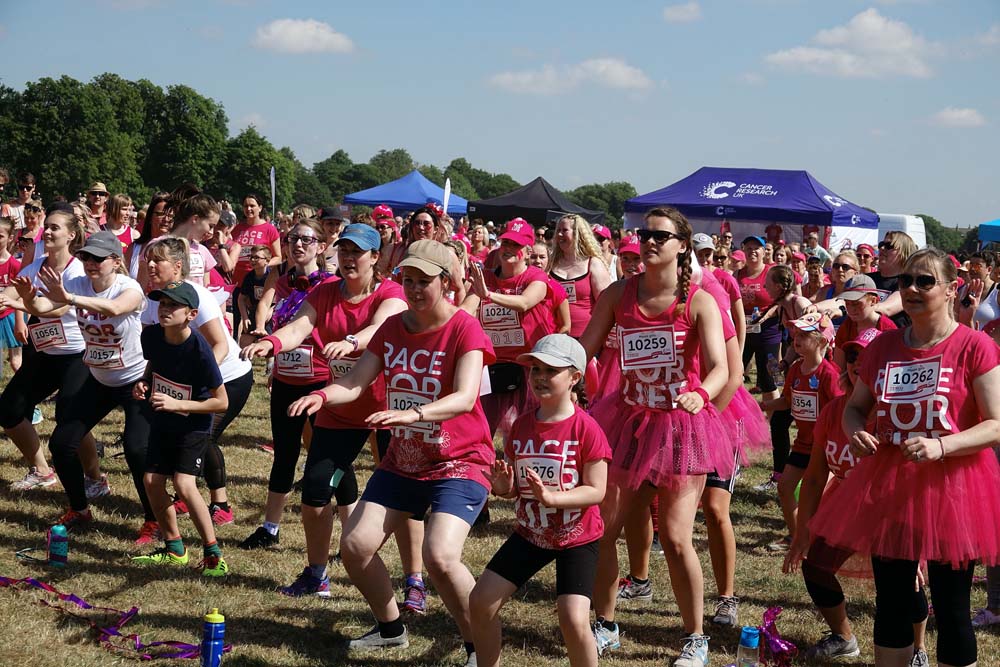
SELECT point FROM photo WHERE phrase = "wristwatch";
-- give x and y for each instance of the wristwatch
(352, 339)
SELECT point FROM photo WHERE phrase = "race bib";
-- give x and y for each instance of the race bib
(909, 381)
(341, 367)
(181, 392)
(805, 405)
(47, 334)
(570, 291)
(506, 337)
(104, 356)
(649, 347)
(197, 264)
(245, 252)
(296, 363)
(406, 399)
(548, 468)
(498, 317)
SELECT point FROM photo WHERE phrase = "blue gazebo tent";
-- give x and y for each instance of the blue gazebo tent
(989, 232)
(407, 194)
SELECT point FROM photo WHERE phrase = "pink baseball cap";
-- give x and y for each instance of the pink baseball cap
(799, 256)
(629, 244)
(383, 211)
(520, 232)
(739, 256)
(864, 338)
(602, 231)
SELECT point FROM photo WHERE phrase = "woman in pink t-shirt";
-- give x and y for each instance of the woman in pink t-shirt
(665, 433)
(555, 467)
(194, 218)
(931, 487)
(431, 358)
(253, 231)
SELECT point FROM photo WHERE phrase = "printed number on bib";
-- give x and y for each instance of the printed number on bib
(570, 291)
(181, 392)
(47, 334)
(296, 363)
(341, 367)
(908, 381)
(549, 469)
(404, 399)
(805, 405)
(649, 347)
(498, 317)
(103, 356)
(245, 251)
(506, 337)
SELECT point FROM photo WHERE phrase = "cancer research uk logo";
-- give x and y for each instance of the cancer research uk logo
(834, 200)
(712, 190)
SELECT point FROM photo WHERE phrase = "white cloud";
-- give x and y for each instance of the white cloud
(684, 13)
(956, 117)
(869, 46)
(991, 37)
(249, 119)
(301, 36)
(552, 79)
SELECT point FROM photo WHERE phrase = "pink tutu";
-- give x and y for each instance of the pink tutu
(660, 446)
(747, 427)
(947, 511)
(829, 560)
(609, 374)
(503, 409)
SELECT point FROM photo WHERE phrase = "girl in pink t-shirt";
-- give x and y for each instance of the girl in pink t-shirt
(431, 358)
(194, 218)
(555, 468)
(253, 231)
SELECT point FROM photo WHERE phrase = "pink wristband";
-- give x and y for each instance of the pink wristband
(275, 343)
(320, 393)
(704, 394)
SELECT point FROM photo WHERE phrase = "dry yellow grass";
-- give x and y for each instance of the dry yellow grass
(270, 630)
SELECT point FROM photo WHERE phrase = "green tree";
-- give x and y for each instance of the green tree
(939, 236)
(190, 143)
(359, 177)
(331, 172)
(308, 189)
(246, 168)
(608, 197)
(392, 164)
(460, 183)
(500, 184)
(432, 174)
(11, 128)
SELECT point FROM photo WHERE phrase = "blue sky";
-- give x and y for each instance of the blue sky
(893, 104)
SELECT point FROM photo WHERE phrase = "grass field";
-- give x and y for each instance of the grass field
(270, 630)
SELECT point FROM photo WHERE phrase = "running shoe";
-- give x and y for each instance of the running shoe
(984, 617)
(260, 539)
(149, 533)
(415, 598)
(780, 547)
(656, 547)
(630, 589)
(373, 639)
(770, 486)
(36, 417)
(73, 520)
(180, 507)
(307, 584)
(163, 557)
(920, 658)
(727, 611)
(95, 488)
(221, 517)
(213, 566)
(472, 660)
(833, 645)
(267, 448)
(607, 639)
(694, 653)
(34, 480)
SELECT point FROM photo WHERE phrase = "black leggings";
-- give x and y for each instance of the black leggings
(238, 391)
(818, 571)
(286, 432)
(950, 590)
(781, 442)
(40, 375)
(333, 450)
(89, 406)
(755, 347)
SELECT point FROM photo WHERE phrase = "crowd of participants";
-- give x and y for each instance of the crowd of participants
(618, 369)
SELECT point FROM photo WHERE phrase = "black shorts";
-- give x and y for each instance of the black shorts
(714, 481)
(797, 460)
(171, 453)
(518, 560)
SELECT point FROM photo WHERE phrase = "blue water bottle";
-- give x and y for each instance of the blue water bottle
(58, 545)
(748, 653)
(213, 639)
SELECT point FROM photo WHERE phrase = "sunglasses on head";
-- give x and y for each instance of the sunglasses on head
(843, 267)
(924, 281)
(660, 236)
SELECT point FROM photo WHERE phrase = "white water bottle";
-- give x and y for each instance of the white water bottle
(748, 653)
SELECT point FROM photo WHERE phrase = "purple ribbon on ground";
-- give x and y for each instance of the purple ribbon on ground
(110, 636)
(777, 652)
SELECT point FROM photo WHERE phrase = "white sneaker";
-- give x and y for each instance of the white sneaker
(96, 488)
(34, 480)
(694, 653)
(985, 617)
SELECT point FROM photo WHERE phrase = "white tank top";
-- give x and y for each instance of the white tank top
(55, 335)
(114, 351)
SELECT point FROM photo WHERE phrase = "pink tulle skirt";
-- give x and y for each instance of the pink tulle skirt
(834, 560)
(947, 511)
(502, 409)
(609, 374)
(747, 427)
(660, 446)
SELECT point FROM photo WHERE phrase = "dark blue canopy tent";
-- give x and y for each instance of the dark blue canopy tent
(751, 199)
(989, 232)
(407, 194)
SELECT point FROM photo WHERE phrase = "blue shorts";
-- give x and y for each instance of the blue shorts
(7, 339)
(463, 498)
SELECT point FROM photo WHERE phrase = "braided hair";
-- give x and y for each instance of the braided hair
(683, 259)
(782, 276)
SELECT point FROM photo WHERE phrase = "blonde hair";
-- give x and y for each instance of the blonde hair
(851, 255)
(903, 244)
(586, 242)
(172, 249)
(116, 205)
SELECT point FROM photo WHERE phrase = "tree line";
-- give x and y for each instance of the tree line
(138, 137)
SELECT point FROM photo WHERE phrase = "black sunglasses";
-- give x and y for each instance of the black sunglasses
(87, 257)
(660, 236)
(924, 282)
(851, 354)
(843, 267)
(885, 245)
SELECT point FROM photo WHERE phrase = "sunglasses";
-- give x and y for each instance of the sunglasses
(843, 267)
(851, 355)
(382, 228)
(924, 281)
(305, 240)
(885, 245)
(423, 223)
(721, 258)
(727, 236)
(24, 186)
(98, 194)
(866, 256)
(87, 257)
(660, 236)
